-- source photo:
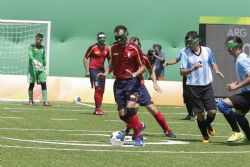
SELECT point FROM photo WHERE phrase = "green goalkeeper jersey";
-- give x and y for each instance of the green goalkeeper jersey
(37, 54)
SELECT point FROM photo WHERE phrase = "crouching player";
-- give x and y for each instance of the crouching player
(37, 69)
(126, 56)
(240, 101)
(145, 98)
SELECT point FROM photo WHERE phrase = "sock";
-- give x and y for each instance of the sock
(209, 120)
(98, 97)
(189, 109)
(30, 95)
(45, 97)
(136, 125)
(232, 121)
(162, 122)
(244, 124)
(203, 129)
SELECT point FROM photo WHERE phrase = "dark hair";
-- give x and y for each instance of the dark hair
(157, 45)
(191, 34)
(117, 28)
(235, 39)
(133, 39)
(39, 35)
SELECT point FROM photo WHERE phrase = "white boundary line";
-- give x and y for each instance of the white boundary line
(10, 117)
(61, 119)
(96, 131)
(128, 151)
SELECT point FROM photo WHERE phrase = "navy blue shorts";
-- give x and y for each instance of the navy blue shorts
(96, 82)
(145, 98)
(124, 90)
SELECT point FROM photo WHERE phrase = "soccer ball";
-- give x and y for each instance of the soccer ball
(117, 138)
(77, 99)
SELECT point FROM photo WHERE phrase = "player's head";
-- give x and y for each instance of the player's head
(101, 38)
(157, 47)
(192, 40)
(121, 35)
(234, 45)
(39, 39)
(135, 40)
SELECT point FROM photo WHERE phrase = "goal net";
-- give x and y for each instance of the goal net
(15, 38)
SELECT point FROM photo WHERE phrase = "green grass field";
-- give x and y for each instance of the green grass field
(67, 134)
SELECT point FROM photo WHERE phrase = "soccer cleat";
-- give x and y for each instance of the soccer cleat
(205, 141)
(235, 136)
(211, 131)
(193, 118)
(47, 104)
(31, 103)
(170, 134)
(126, 131)
(98, 113)
(138, 142)
(186, 118)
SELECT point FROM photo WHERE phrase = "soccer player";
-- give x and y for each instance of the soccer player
(145, 98)
(37, 69)
(97, 53)
(191, 116)
(126, 56)
(196, 63)
(240, 101)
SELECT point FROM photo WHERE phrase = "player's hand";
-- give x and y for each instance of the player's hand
(37, 64)
(196, 66)
(232, 86)
(130, 74)
(165, 64)
(220, 74)
(46, 71)
(87, 74)
(101, 75)
(157, 88)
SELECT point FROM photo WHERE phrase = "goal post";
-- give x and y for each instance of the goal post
(15, 38)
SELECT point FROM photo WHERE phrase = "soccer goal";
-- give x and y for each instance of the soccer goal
(15, 38)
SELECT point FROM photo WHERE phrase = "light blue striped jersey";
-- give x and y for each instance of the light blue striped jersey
(178, 57)
(202, 76)
(242, 66)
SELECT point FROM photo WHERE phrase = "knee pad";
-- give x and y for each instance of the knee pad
(123, 118)
(130, 112)
(224, 108)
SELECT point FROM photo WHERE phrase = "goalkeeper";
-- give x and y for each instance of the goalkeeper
(37, 71)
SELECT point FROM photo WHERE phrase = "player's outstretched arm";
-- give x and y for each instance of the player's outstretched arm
(217, 71)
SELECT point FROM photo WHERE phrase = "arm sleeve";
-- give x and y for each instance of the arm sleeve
(245, 65)
(211, 59)
(44, 58)
(139, 56)
(30, 53)
(184, 62)
(178, 57)
(88, 52)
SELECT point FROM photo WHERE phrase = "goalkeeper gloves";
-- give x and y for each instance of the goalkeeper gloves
(37, 64)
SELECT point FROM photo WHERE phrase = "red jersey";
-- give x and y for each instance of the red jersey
(130, 57)
(97, 56)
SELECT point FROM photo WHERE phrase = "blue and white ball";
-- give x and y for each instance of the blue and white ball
(117, 138)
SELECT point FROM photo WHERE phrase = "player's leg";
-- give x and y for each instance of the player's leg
(241, 103)
(209, 103)
(99, 85)
(198, 108)
(225, 107)
(41, 79)
(31, 87)
(32, 81)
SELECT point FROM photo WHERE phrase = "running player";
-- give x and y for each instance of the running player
(97, 53)
(126, 56)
